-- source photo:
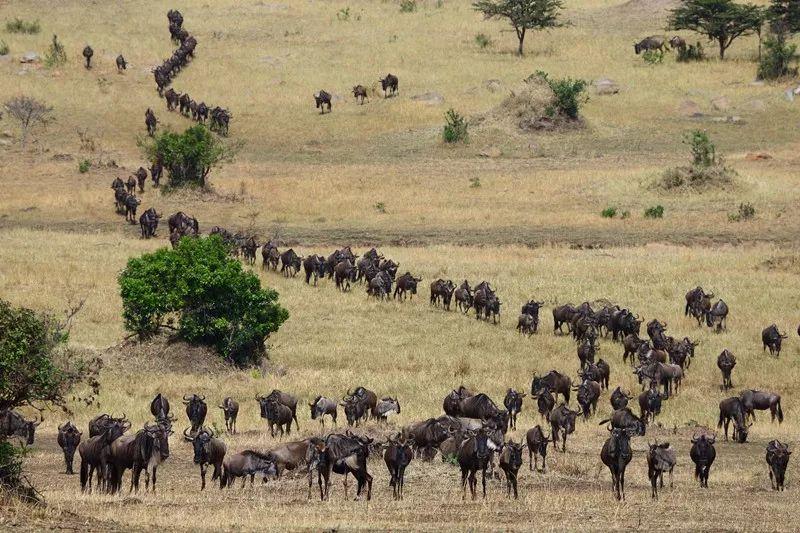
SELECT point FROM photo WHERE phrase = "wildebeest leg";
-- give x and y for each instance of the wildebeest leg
(564, 444)
(345, 485)
(203, 467)
(464, 483)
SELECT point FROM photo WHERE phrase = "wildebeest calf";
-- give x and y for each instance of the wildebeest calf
(660, 458)
(777, 460)
(510, 461)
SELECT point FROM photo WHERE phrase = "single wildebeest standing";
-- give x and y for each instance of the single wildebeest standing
(196, 410)
(619, 399)
(526, 325)
(771, 338)
(537, 445)
(87, 54)
(733, 409)
(68, 439)
(777, 459)
(150, 122)
(725, 362)
(703, 455)
(510, 462)
(545, 401)
(464, 298)
(159, 407)
(631, 343)
(172, 99)
(130, 185)
(406, 283)
(562, 419)
(588, 395)
(343, 454)
(359, 91)
(513, 404)
(616, 454)
(156, 170)
(650, 404)
(208, 450)
(13, 424)
(290, 263)
(148, 223)
(473, 455)
(141, 178)
(322, 406)
(660, 458)
(398, 455)
(365, 397)
(322, 99)
(314, 265)
(230, 409)
(121, 63)
(654, 42)
(442, 290)
(762, 400)
(452, 402)
(246, 463)
(354, 411)
(717, 317)
(677, 43)
(390, 85)
(557, 382)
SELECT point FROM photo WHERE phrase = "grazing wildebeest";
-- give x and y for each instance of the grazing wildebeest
(616, 454)
(510, 462)
(95, 454)
(537, 445)
(314, 265)
(660, 458)
(677, 42)
(717, 317)
(150, 122)
(230, 409)
(398, 455)
(121, 63)
(87, 54)
(442, 290)
(725, 362)
(322, 99)
(513, 404)
(654, 42)
(733, 409)
(246, 463)
(406, 283)
(557, 382)
(762, 400)
(359, 91)
(464, 298)
(389, 84)
(159, 407)
(384, 408)
(208, 450)
(562, 419)
(145, 450)
(777, 459)
(771, 338)
(343, 454)
(619, 399)
(650, 403)
(703, 455)
(625, 419)
(588, 395)
(68, 439)
(473, 455)
(13, 424)
(322, 406)
(196, 410)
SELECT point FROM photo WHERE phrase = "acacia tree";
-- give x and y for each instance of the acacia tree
(189, 156)
(784, 16)
(29, 112)
(523, 15)
(722, 21)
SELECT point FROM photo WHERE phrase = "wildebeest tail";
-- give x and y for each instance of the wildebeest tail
(780, 412)
(223, 480)
(721, 418)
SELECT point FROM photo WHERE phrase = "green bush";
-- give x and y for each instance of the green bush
(189, 156)
(653, 57)
(703, 149)
(408, 6)
(17, 25)
(212, 299)
(84, 166)
(474, 183)
(56, 55)
(693, 52)
(4, 49)
(10, 464)
(455, 128)
(343, 14)
(654, 211)
(483, 41)
(777, 58)
(609, 212)
(746, 212)
(568, 93)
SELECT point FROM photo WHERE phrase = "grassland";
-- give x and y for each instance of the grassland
(532, 227)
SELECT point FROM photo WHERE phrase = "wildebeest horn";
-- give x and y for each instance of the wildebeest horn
(186, 398)
(202, 398)
(608, 427)
(186, 435)
(61, 427)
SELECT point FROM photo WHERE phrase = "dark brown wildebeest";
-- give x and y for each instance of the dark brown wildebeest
(695, 296)
(406, 283)
(145, 450)
(131, 204)
(717, 317)
(616, 454)
(463, 296)
(322, 406)
(557, 382)
(249, 250)
(475, 454)
(510, 461)
(562, 420)
(562, 315)
(631, 343)
(660, 458)
(531, 308)
(654, 42)
(183, 103)
(449, 447)
(130, 185)
(314, 265)
(513, 404)
(588, 395)
(625, 419)
(359, 91)
(385, 408)
(771, 338)
(270, 256)
(99, 424)
(380, 286)
(354, 411)
(365, 397)
(537, 445)
(733, 409)
(486, 303)
(68, 439)
(159, 407)
(343, 454)
(289, 455)
(246, 463)
(196, 410)
(13, 424)
(586, 351)
(430, 434)
(290, 263)
(121, 63)
(703, 455)
(193, 109)
(442, 290)
(390, 85)
(183, 223)
(452, 402)
(619, 399)
(284, 398)
(230, 409)
(175, 17)
(526, 325)
(777, 460)
(344, 272)
(398, 455)
(172, 99)
(650, 403)
(208, 450)
(481, 407)
(725, 362)
(677, 42)
(322, 99)
(202, 112)
(148, 223)
(150, 122)
(276, 414)
(87, 54)
(95, 453)
(762, 400)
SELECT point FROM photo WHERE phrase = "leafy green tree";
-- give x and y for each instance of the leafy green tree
(722, 21)
(784, 16)
(778, 58)
(214, 301)
(189, 156)
(523, 15)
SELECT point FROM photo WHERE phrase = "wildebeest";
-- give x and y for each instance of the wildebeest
(452, 402)
(249, 247)
(616, 454)
(588, 395)
(150, 122)
(650, 403)
(148, 223)
(13, 424)
(513, 404)
(284, 398)
(290, 263)
(68, 439)
(143, 451)
(406, 283)
(481, 407)
(384, 408)
(733, 409)
(398, 455)
(101, 422)
(343, 454)
(131, 203)
(246, 463)
(486, 303)
(429, 434)
(230, 409)
(777, 459)
(343, 273)
(631, 344)
(322, 99)
(526, 324)
(172, 99)
(121, 63)
(196, 410)
(762, 400)
(464, 297)
(183, 103)
(703, 455)
(510, 461)
(660, 458)
(677, 43)
(314, 265)
(725, 362)
(625, 419)
(130, 185)
(562, 420)
(654, 42)
(359, 91)
(290, 455)
(270, 256)
(208, 450)
(442, 290)
(717, 317)
(95, 454)
(276, 414)
(159, 407)
(87, 54)
(557, 382)
(322, 406)
(389, 84)
(531, 308)
(694, 296)
(473, 455)
(771, 338)
(537, 445)
(619, 399)
(586, 351)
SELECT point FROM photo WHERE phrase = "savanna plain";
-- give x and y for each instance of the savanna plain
(521, 210)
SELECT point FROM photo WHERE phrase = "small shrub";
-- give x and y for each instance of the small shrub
(474, 183)
(455, 128)
(4, 49)
(483, 41)
(654, 211)
(408, 6)
(380, 207)
(609, 212)
(343, 14)
(189, 156)
(697, 178)
(746, 212)
(693, 52)
(17, 25)
(653, 57)
(777, 59)
(56, 55)
(625, 214)
(703, 149)
(84, 166)
(568, 93)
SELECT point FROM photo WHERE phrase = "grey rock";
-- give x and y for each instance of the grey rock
(29, 57)
(429, 98)
(605, 86)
